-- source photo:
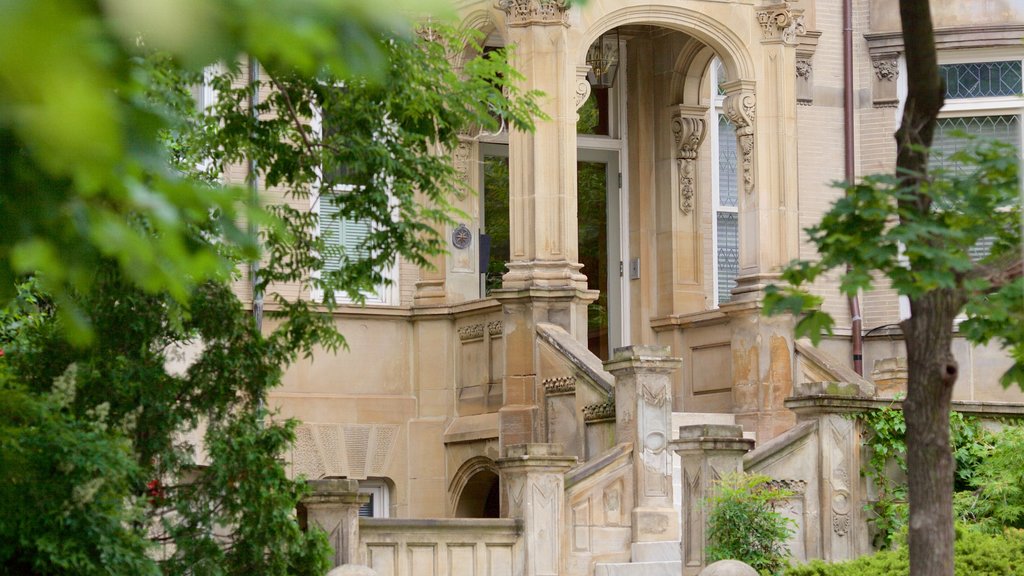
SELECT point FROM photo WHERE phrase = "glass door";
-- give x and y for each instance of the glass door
(600, 246)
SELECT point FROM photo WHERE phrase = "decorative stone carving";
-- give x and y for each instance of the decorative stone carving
(740, 108)
(343, 450)
(471, 332)
(803, 67)
(887, 72)
(689, 127)
(840, 485)
(804, 80)
(886, 69)
(583, 87)
(780, 22)
(461, 158)
(797, 487)
(461, 237)
(562, 385)
(530, 12)
(600, 411)
(496, 328)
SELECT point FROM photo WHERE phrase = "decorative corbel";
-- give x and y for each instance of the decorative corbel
(583, 87)
(689, 127)
(740, 108)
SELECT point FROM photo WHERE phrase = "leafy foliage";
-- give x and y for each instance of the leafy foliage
(743, 524)
(921, 240)
(996, 496)
(886, 465)
(164, 459)
(975, 554)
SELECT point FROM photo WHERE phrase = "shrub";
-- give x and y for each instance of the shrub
(743, 523)
(975, 554)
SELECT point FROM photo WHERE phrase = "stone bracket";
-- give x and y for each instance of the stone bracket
(740, 106)
(886, 79)
(689, 127)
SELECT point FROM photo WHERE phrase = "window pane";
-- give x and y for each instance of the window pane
(496, 223)
(980, 79)
(1003, 128)
(726, 162)
(728, 254)
(341, 234)
(366, 510)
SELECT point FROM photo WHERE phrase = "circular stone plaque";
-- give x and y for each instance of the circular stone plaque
(461, 237)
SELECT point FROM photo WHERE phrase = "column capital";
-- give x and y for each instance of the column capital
(780, 23)
(520, 13)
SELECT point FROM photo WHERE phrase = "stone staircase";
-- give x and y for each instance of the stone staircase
(663, 558)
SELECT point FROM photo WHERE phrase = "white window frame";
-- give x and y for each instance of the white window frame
(717, 102)
(966, 107)
(385, 294)
(381, 496)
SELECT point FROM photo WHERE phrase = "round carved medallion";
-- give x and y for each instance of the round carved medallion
(461, 237)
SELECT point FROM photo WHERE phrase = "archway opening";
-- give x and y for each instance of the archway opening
(480, 497)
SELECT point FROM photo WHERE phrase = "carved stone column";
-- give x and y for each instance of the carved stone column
(534, 479)
(334, 507)
(707, 452)
(643, 413)
(543, 282)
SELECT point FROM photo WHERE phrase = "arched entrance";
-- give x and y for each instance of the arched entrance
(476, 489)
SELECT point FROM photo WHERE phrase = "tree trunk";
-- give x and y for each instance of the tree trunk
(932, 370)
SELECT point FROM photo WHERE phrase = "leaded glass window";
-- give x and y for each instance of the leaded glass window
(727, 186)
(982, 79)
(1004, 128)
(728, 254)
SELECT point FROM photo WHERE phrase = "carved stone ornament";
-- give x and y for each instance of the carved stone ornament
(689, 126)
(583, 87)
(600, 411)
(803, 68)
(461, 237)
(561, 385)
(496, 328)
(887, 69)
(471, 332)
(780, 22)
(461, 158)
(740, 108)
(529, 12)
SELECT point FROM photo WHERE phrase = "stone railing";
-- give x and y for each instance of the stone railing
(570, 379)
(480, 360)
(450, 547)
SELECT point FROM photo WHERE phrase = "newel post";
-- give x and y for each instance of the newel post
(334, 507)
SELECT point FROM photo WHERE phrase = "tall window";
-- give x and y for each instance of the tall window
(724, 195)
(380, 499)
(344, 235)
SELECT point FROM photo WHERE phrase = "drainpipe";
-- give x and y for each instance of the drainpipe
(254, 198)
(856, 323)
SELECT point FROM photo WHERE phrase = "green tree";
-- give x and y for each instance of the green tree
(916, 228)
(131, 248)
(743, 523)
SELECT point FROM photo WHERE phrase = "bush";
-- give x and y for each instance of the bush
(975, 554)
(744, 525)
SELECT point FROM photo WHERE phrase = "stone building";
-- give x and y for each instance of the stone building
(689, 142)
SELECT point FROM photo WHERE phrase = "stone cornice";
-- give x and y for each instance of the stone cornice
(535, 12)
(949, 38)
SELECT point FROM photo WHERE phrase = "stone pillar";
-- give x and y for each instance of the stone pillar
(707, 452)
(766, 138)
(544, 282)
(533, 477)
(334, 507)
(643, 413)
(762, 369)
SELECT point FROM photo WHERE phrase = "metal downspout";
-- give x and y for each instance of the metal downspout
(856, 324)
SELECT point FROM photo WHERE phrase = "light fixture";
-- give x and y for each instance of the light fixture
(603, 58)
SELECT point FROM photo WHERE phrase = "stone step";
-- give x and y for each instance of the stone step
(667, 551)
(639, 569)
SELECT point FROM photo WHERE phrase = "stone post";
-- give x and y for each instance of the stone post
(534, 479)
(334, 507)
(707, 452)
(643, 413)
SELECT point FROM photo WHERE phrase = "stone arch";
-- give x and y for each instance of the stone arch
(689, 83)
(720, 38)
(475, 489)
